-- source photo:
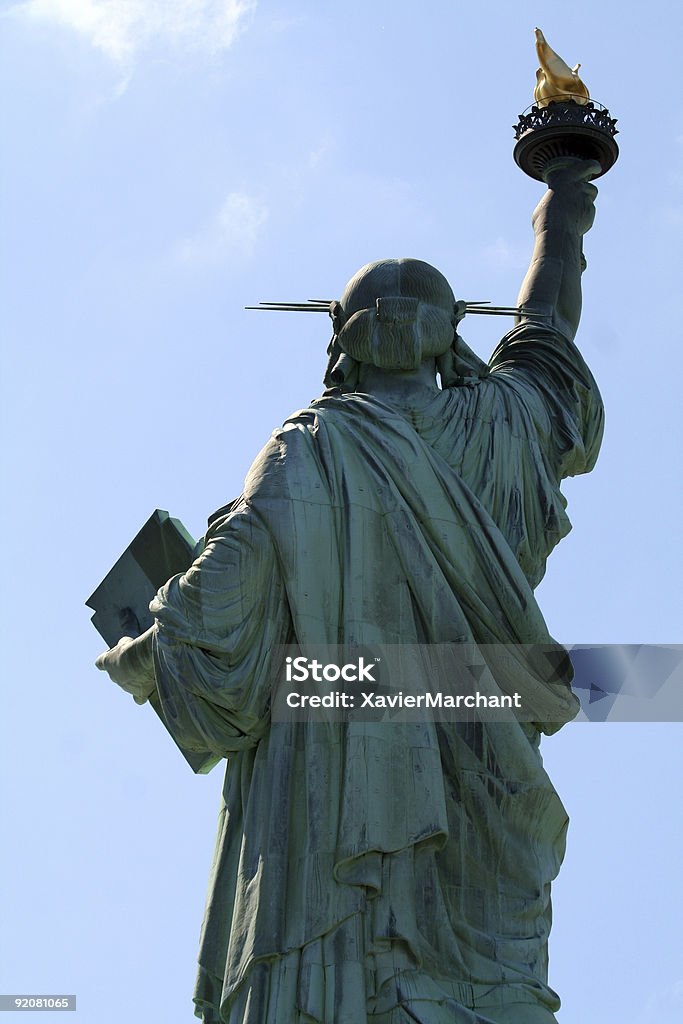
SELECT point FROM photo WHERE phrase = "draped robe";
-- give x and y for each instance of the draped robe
(388, 872)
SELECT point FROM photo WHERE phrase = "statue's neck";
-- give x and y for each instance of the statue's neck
(398, 387)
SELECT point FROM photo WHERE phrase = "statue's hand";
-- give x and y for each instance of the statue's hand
(570, 196)
(125, 669)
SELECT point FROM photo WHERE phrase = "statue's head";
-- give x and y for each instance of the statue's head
(394, 314)
(402, 278)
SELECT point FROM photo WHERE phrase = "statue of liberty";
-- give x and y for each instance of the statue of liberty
(368, 871)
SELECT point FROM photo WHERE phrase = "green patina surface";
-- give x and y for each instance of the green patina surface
(387, 871)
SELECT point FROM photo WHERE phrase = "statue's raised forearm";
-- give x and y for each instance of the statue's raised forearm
(553, 282)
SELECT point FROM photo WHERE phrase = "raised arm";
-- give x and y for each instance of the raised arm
(565, 213)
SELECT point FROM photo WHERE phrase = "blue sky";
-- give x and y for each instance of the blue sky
(168, 163)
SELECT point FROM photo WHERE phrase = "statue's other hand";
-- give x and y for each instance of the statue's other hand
(570, 191)
(125, 669)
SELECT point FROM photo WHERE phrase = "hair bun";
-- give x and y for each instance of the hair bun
(397, 333)
(397, 309)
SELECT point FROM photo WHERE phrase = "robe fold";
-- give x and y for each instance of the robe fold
(383, 871)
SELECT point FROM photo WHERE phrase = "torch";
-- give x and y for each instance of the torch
(563, 121)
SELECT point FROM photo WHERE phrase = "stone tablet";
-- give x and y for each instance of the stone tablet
(162, 548)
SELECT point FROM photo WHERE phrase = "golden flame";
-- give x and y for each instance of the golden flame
(555, 80)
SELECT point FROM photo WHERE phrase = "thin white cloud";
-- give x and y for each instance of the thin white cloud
(232, 235)
(284, 23)
(325, 148)
(663, 1006)
(123, 28)
(502, 254)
